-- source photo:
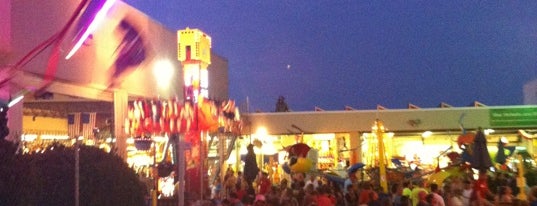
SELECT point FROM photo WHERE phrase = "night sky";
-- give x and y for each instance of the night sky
(363, 53)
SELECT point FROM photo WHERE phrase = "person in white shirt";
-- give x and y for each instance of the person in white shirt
(312, 180)
(467, 192)
(439, 200)
(457, 199)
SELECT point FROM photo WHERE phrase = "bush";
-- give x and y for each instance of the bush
(49, 178)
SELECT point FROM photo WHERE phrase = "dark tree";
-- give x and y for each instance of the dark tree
(48, 178)
(281, 106)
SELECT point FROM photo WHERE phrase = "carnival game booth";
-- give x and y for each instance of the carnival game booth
(289, 156)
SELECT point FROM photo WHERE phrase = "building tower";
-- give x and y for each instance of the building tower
(194, 52)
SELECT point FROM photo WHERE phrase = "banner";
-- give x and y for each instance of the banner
(513, 117)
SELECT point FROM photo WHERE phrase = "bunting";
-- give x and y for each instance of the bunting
(318, 109)
(445, 105)
(73, 124)
(348, 108)
(88, 123)
(380, 107)
(413, 106)
(479, 104)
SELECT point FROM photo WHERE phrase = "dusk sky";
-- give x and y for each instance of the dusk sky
(363, 53)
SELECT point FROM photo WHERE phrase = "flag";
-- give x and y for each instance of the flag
(479, 104)
(73, 124)
(88, 123)
(445, 105)
(348, 108)
(413, 106)
(380, 107)
(318, 109)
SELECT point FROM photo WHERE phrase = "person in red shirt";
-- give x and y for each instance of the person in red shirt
(323, 199)
(481, 190)
(264, 184)
(240, 190)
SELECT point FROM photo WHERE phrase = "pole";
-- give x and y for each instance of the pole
(379, 129)
(77, 172)
(154, 175)
(336, 152)
(202, 162)
(238, 157)
(221, 153)
(247, 105)
(180, 169)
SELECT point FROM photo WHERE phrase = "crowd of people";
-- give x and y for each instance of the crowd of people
(254, 187)
(316, 190)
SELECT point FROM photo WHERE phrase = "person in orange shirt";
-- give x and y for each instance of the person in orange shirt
(367, 194)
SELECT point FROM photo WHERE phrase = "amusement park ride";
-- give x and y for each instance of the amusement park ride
(188, 124)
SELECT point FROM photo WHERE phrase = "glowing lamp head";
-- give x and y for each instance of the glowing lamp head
(163, 71)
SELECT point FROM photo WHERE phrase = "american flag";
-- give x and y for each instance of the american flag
(73, 124)
(88, 123)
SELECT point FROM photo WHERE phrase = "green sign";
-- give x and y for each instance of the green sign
(514, 117)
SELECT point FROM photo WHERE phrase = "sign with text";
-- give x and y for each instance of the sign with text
(513, 117)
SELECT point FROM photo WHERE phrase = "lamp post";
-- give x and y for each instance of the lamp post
(163, 71)
(77, 172)
(378, 130)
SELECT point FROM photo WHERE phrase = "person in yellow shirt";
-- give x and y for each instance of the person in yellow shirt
(407, 189)
(414, 195)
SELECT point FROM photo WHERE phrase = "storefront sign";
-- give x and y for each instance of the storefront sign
(513, 117)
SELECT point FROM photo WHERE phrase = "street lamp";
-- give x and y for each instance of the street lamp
(163, 71)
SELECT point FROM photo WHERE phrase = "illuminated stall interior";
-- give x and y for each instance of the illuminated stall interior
(426, 150)
(413, 137)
